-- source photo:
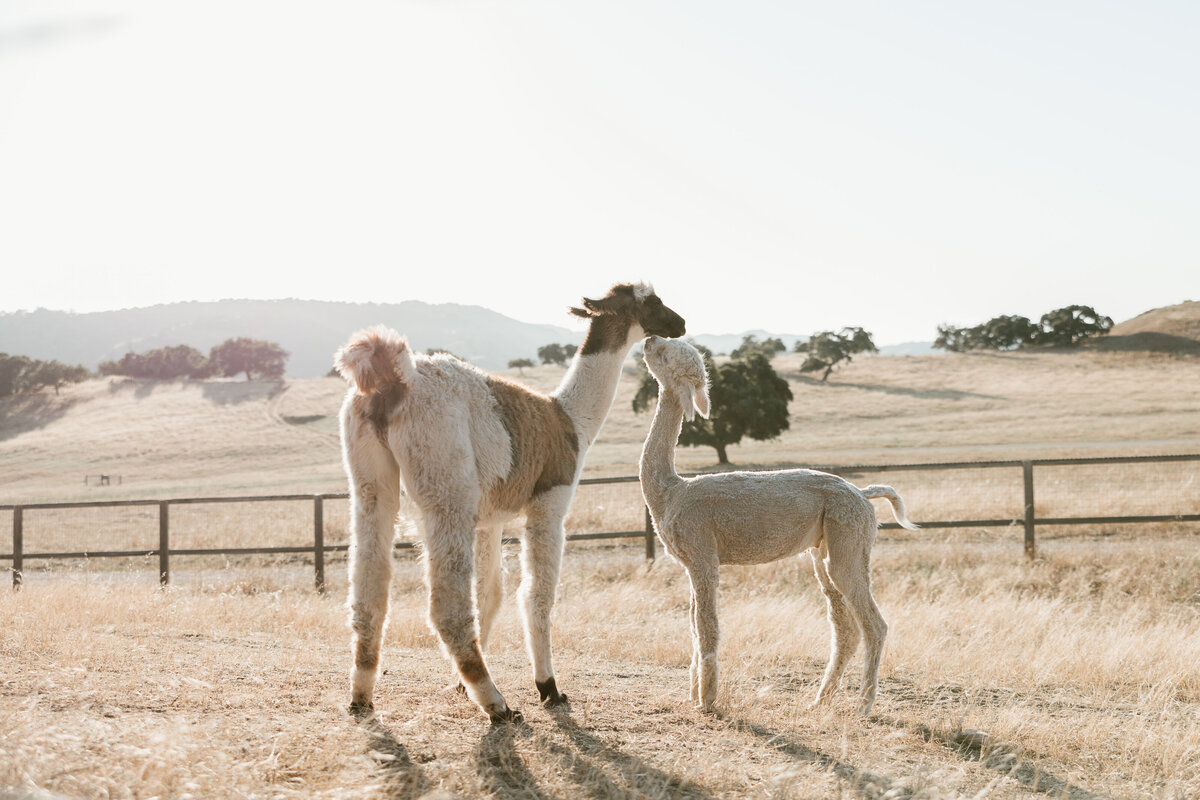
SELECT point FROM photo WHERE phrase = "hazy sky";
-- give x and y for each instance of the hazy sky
(794, 166)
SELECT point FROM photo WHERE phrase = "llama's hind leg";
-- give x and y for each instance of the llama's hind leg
(489, 588)
(694, 669)
(449, 537)
(375, 502)
(849, 567)
(844, 631)
(541, 562)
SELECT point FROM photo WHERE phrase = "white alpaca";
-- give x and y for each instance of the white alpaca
(473, 451)
(754, 518)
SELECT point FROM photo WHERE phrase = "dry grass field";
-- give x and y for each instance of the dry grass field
(1075, 675)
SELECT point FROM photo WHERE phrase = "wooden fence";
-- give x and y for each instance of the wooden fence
(1027, 523)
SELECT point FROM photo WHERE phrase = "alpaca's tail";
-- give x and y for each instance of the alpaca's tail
(375, 359)
(893, 497)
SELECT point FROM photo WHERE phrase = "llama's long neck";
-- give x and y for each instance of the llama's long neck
(588, 389)
(656, 469)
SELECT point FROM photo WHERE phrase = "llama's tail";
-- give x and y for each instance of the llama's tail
(376, 358)
(893, 497)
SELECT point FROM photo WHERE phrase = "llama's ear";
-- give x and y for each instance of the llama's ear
(700, 400)
(579, 312)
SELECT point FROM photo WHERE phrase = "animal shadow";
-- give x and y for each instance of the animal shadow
(403, 777)
(861, 782)
(596, 768)
(1000, 756)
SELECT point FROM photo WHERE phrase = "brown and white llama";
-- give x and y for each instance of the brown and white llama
(756, 518)
(472, 451)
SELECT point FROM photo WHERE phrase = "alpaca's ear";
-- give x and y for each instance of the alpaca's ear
(689, 412)
(579, 312)
(700, 400)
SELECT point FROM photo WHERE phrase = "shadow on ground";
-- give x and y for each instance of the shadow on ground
(595, 767)
(1003, 757)
(29, 412)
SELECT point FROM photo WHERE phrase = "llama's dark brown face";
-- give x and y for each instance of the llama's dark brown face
(626, 305)
(658, 320)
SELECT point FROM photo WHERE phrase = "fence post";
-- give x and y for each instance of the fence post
(18, 546)
(649, 536)
(319, 543)
(1030, 545)
(164, 544)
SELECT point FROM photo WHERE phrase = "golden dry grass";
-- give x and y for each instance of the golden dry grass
(232, 437)
(1081, 668)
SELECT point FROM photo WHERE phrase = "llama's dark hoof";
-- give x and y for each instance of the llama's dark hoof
(458, 687)
(507, 716)
(549, 694)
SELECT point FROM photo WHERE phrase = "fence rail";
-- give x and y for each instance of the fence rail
(1028, 521)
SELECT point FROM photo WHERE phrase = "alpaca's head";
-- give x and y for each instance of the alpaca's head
(678, 367)
(628, 308)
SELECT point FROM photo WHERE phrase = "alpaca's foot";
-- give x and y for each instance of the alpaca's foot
(458, 688)
(864, 708)
(507, 715)
(549, 694)
(705, 708)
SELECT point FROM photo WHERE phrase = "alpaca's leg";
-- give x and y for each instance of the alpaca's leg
(449, 535)
(541, 560)
(694, 670)
(849, 567)
(375, 501)
(489, 579)
(704, 589)
(844, 631)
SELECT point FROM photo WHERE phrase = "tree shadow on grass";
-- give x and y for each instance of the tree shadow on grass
(928, 394)
(1003, 757)
(29, 412)
(403, 777)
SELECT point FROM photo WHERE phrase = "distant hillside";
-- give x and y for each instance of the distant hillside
(311, 330)
(1170, 329)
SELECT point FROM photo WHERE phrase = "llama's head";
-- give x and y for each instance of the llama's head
(627, 313)
(678, 367)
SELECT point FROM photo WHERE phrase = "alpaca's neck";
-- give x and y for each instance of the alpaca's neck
(588, 389)
(656, 469)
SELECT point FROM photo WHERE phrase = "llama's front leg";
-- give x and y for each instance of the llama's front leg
(541, 561)
(704, 588)
(844, 632)
(448, 571)
(375, 506)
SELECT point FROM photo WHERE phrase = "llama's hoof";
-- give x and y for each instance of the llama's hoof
(361, 708)
(459, 688)
(548, 693)
(705, 708)
(508, 715)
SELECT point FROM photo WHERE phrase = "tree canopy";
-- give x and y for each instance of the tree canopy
(20, 374)
(747, 399)
(520, 364)
(827, 349)
(165, 363)
(1062, 327)
(253, 357)
(769, 347)
(557, 353)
